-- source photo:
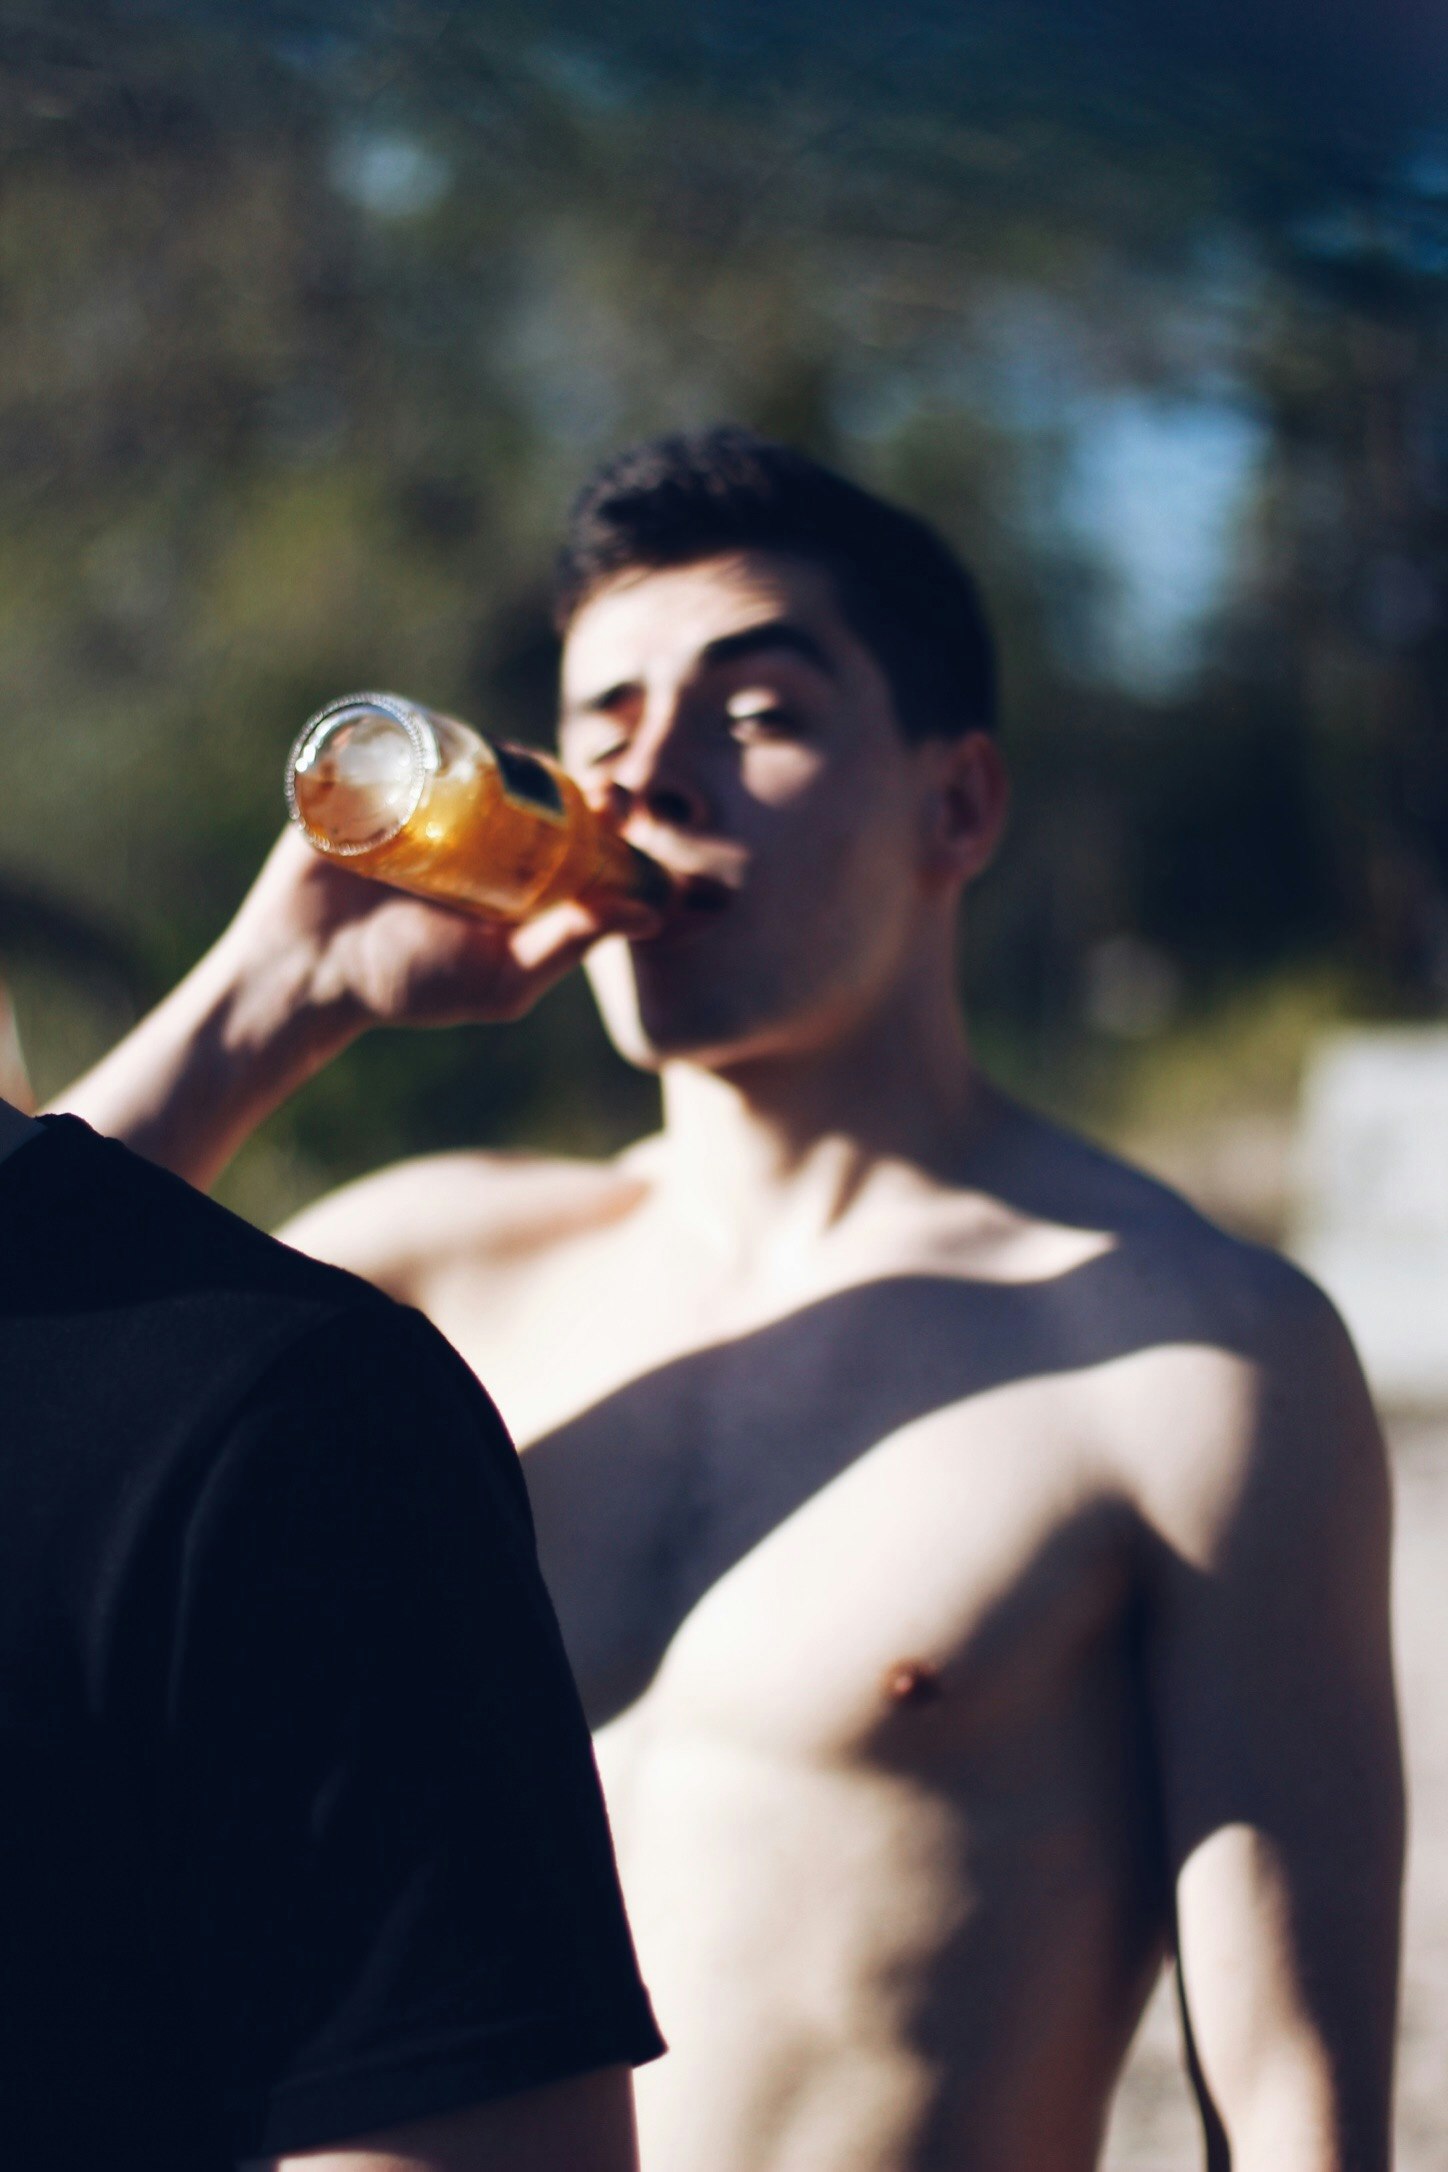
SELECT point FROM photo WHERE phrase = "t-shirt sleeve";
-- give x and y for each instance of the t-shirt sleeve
(395, 1865)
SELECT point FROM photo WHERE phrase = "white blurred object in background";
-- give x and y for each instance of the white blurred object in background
(1371, 1192)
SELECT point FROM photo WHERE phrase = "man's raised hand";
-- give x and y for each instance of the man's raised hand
(375, 956)
(314, 957)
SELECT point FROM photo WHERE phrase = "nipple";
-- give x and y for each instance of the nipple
(913, 1681)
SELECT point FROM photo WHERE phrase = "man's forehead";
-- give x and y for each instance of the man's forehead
(665, 619)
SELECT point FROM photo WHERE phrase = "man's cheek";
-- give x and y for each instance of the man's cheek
(787, 778)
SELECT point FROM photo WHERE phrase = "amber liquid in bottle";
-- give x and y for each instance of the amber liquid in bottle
(431, 806)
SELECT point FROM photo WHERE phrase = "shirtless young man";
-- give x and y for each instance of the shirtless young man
(974, 1562)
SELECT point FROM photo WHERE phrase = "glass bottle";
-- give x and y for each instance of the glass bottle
(429, 805)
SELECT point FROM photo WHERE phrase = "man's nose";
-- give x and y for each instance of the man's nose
(657, 775)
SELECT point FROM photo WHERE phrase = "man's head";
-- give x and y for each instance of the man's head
(676, 501)
(779, 682)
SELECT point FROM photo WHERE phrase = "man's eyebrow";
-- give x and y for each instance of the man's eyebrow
(774, 633)
(603, 704)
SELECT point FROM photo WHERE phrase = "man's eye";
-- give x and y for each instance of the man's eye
(587, 751)
(763, 723)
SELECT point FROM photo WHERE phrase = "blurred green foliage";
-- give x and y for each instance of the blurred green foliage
(313, 318)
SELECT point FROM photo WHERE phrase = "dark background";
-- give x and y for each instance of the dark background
(312, 318)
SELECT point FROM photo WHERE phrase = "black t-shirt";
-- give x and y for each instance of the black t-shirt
(300, 1834)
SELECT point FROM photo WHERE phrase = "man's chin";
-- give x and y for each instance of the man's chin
(650, 1037)
(724, 1046)
(654, 1047)
(654, 1020)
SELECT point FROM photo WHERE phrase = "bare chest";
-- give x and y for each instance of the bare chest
(874, 1527)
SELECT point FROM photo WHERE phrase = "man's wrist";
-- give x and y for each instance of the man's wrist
(287, 1014)
(229, 1044)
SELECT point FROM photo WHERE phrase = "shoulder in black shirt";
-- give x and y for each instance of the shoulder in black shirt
(300, 1836)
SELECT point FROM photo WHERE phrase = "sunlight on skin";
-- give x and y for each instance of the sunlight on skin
(584, 2123)
(15, 1084)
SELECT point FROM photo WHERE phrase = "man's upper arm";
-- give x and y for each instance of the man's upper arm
(1279, 1760)
(585, 2124)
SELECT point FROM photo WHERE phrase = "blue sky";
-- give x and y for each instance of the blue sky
(1155, 488)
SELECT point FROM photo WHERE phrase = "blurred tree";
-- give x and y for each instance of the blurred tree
(314, 316)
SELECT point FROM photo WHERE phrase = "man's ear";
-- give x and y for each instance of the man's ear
(966, 810)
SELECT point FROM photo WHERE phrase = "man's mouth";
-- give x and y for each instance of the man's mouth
(702, 894)
(694, 901)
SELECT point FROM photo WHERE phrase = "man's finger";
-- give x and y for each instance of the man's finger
(548, 946)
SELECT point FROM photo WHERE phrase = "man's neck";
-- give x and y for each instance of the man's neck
(781, 1150)
(15, 1129)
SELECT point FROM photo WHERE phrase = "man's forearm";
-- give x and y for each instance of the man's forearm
(315, 955)
(197, 1076)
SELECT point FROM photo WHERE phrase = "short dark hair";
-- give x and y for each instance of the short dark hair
(902, 590)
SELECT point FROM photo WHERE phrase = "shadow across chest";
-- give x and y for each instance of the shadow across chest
(845, 1480)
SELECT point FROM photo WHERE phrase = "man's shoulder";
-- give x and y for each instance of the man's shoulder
(404, 1225)
(1228, 1376)
(1169, 1255)
(139, 1319)
(1223, 1288)
(1149, 1280)
(89, 1220)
